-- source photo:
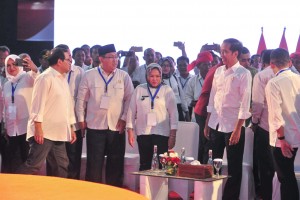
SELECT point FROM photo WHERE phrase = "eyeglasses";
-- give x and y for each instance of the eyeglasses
(112, 57)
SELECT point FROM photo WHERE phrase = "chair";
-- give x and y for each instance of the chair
(187, 136)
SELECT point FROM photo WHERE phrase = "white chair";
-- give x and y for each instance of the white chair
(187, 136)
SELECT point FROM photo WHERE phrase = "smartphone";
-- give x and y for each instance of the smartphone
(19, 62)
(176, 44)
(137, 49)
(126, 53)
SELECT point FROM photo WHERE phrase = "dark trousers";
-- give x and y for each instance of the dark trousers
(18, 149)
(146, 143)
(4, 154)
(74, 152)
(204, 144)
(180, 113)
(53, 151)
(286, 175)
(265, 162)
(235, 153)
(112, 144)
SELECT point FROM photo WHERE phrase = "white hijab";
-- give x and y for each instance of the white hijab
(11, 78)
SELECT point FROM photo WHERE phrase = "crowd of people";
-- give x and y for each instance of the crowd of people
(46, 111)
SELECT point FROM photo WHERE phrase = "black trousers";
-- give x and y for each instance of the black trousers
(220, 140)
(146, 143)
(180, 113)
(112, 144)
(4, 154)
(18, 149)
(264, 162)
(204, 144)
(286, 174)
(74, 152)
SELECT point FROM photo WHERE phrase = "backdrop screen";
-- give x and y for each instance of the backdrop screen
(157, 23)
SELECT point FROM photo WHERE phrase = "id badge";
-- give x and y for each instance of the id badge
(12, 112)
(104, 103)
(151, 119)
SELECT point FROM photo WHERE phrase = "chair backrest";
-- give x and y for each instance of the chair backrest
(187, 136)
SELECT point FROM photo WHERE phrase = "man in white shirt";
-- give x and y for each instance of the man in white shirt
(102, 103)
(74, 150)
(261, 148)
(283, 98)
(139, 73)
(51, 119)
(228, 107)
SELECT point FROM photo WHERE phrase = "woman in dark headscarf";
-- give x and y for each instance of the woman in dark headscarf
(152, 116)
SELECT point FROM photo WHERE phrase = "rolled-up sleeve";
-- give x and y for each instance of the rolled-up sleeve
(245, 92)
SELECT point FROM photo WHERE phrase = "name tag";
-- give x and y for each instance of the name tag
(104, 103)
(12, 112)
(151, 119)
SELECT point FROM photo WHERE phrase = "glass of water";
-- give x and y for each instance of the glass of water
(217, 164)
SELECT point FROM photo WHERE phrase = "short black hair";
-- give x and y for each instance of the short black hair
(280, 57)
(265, 56)
(94, 47)
(76, 50)
(184, 58)
(43, 53)
(235, 45)
(245, 50)
(56, 54)
(62, 46)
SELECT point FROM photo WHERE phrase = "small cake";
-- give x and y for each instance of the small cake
(195, 171)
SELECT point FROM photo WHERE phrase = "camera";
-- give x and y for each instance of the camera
(19, 62)
(137, 49)
(126, 53)
(176, 44)
(209, 47)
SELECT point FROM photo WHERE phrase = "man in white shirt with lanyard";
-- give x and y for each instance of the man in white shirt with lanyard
(51, 119)
(283, 98)
(104, 93)
(228, 107)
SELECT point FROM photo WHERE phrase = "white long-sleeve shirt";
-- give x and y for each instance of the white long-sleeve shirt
(165, 110)
(74, 77)
(259, 102)
(194, 88)
(230, 97)
(178, 91)
(22, 102)
(92, 89)
(283, 98)
(52, 105)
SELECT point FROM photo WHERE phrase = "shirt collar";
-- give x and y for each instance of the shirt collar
(103, 72)
(56, 73)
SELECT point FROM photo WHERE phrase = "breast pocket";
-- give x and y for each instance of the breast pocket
(119, 90)
(97, 91)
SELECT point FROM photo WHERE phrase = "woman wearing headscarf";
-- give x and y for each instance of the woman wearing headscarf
(169, 79)
(17, 93)
(152, 116)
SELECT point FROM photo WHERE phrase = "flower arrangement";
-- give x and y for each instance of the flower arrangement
(170, 161)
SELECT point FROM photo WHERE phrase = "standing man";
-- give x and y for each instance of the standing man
(228, 107)
(139, 74)
(260, 126)
(245, 60)
(295, 57)
(51, 119)
(283, 98)
(106, 91)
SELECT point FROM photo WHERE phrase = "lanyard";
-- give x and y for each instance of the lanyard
(282, 70)
(200, 82)
(153, 97)
(106, 82)
(69, 76)
(13, 89)
(186, 80)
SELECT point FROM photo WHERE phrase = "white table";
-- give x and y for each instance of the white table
(154, 185)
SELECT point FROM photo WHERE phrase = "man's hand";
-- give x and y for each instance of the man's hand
(73, 137)
(286, 149)
(121, 126)
(82, 126)
(235, 136)
(130, 136)
(38, 134)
